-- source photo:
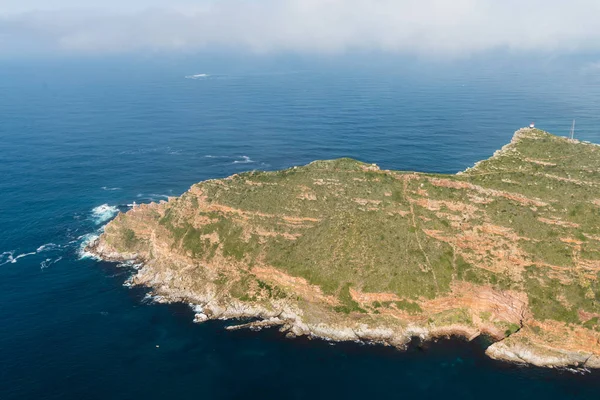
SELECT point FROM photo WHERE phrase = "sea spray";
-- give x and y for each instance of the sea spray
(103, 213)
(85, 241)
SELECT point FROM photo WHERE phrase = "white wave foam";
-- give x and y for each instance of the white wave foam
(199, 315)
(150, 298)
(6, 257)
(244, 160)
(197, 308)
(48, 262)
(580, 371)
(127, 264)
(85, 240)
(103, 213)
(162, 196)
(197, 76)
(211, 156)
(9, 257)
(46, 247)
(110, 189)
(237, 159)
(23, 255)
(154, 197)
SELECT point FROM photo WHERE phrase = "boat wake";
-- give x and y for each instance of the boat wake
(197, 76)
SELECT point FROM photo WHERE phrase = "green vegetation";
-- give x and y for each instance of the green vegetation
(459, 316)
(348, 304)
(512, 328)
(409, 306)
(129, 239)
(551, 299)
(593, 323)
(527, 219)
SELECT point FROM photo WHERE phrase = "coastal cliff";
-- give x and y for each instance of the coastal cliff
(343, 250)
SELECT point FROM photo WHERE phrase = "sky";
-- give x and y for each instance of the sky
(456, 28)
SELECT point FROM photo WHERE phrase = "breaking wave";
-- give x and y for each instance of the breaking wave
(49, 261)
(236, 159)
(110, 189)
(103, 213)
(243, 160)
(153, 197)
(99, 215)
(56, 252)
(197, 308)
(47, 246)
(150, 298)
(85, 240)
(129, 282)
(9, 257)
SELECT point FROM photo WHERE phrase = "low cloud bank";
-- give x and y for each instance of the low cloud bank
(425, 27)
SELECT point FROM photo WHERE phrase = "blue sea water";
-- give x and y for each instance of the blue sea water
(80, 139)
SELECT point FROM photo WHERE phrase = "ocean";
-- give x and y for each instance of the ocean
(83, 138)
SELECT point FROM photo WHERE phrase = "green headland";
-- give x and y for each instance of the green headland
(343, 250)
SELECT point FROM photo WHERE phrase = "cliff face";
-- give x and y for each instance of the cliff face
(343, 250)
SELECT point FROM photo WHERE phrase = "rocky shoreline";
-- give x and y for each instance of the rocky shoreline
(290, 323)
(344, 251)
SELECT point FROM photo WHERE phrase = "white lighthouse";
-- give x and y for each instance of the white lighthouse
(532, 125)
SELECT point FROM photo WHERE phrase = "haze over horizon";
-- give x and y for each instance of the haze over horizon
(426, 28)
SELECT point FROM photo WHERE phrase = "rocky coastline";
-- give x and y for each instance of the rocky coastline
(297, 307)
(289, 321)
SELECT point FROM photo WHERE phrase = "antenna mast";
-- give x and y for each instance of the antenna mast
(572, 130)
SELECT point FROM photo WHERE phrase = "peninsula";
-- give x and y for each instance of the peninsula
(343, 250)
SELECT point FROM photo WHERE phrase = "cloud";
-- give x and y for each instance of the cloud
(430, 27)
